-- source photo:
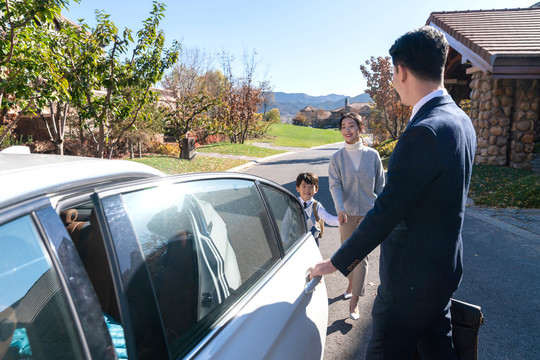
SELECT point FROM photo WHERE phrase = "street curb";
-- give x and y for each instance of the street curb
(501, 224)
(321, 146)
(255, 162)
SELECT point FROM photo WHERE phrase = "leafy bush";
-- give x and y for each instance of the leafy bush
(465, 105)
(386, 148)
(11, 140)
(168, 149)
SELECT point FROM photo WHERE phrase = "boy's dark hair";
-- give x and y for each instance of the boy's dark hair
(422, 51)
(357, 119)
(308, 178)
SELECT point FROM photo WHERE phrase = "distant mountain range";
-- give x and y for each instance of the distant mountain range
(289, 104)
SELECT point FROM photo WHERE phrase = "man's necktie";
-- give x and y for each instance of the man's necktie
(305, 204)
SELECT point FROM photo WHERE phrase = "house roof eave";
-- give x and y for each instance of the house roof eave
(467, 54)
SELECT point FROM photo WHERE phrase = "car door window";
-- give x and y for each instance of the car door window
(205, 244)
(288, 214)
(34, 317)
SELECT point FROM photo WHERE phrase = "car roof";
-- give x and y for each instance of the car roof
(23, 176)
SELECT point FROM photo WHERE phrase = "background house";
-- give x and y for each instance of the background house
(313, 117)
(330, 118)
(361, 108)
(494, 61)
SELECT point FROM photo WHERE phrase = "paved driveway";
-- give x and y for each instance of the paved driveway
(346, 339)
(501, 270)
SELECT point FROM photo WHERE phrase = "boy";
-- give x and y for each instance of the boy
(307, 185)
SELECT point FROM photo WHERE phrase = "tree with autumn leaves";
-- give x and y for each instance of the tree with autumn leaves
(202, 102)
(47, 62)
(389, 116)
(192, 103)
(102, 81)
(243, 98)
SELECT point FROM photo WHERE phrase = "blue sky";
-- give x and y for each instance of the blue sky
(313, 47)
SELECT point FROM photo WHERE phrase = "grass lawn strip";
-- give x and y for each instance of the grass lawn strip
(238, 149)
(173, 165)
(502, 187)
(300, 136)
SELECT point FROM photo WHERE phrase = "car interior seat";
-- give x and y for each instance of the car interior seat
(177, 293)
(92, 251)
(70, 217)
(8, 322)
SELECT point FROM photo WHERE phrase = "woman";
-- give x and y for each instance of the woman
(356, 177)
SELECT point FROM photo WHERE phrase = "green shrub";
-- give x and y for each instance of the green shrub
(386, 142)
(386, 148)
(168, 149)
(11, 140)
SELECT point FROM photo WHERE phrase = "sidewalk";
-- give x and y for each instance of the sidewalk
(522, 222)
(286, 148)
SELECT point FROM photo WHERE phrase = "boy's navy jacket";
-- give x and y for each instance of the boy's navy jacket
(418, 217)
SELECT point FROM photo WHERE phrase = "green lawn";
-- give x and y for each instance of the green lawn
(173, 165)
(279, 135)
(238, 149)
(501, 187)
(300, 136)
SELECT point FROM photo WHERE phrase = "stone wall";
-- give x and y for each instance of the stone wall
(504, 113)
(524, 122)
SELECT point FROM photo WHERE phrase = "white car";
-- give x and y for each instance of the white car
(105, 259)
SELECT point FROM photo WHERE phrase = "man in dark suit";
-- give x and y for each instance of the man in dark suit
(418, 217)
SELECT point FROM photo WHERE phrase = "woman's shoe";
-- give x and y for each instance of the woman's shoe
(347, 295)
(354, 314)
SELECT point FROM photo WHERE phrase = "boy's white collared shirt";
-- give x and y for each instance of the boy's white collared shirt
(307, 205)
(312, 224)
(321, 211)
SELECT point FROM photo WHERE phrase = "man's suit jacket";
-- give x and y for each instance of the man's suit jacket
(418, 217)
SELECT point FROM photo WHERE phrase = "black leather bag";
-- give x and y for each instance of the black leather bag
(466, 321)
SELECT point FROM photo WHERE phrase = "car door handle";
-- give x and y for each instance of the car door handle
(310, 285)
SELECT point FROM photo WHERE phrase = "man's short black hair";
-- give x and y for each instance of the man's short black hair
(422, 51)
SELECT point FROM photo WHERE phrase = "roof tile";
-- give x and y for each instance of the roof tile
(495, 35)
(489, 32)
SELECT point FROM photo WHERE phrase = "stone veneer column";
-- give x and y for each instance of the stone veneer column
(525, 120)
(491, 107)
